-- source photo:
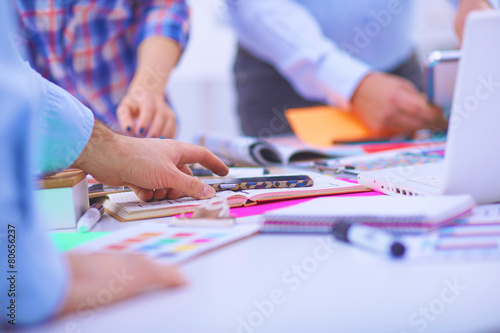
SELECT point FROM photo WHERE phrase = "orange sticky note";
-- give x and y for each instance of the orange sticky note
(324, 126)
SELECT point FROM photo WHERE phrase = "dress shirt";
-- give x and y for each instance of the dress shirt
(326, 47)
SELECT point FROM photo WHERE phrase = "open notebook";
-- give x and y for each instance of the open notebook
(403, 214)
(128, 207)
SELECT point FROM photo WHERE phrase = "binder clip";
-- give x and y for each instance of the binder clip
(212, 214)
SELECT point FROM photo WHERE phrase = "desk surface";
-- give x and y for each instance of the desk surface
(278, 283)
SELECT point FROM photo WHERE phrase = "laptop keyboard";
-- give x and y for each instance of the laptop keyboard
(433, 181)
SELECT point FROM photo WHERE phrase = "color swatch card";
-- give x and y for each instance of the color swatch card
(168, 244)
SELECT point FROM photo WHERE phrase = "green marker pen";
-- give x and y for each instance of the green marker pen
(90, 217)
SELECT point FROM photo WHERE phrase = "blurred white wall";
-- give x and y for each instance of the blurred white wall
(201, 88)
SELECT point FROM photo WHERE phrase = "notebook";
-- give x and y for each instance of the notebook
(403, 214)
(128, 207)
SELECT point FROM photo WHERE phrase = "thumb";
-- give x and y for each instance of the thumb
(191, 186)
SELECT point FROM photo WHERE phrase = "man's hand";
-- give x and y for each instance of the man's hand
(464, 8)
(122, 276)
(145, 113)
(153, 168)
(392, 105)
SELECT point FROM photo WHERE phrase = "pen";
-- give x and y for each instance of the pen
(369, 238)
(90, 217)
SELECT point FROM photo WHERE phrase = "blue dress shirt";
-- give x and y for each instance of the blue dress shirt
(35, 115)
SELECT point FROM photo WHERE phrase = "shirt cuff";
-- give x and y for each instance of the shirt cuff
(338, 77)
(63, 128)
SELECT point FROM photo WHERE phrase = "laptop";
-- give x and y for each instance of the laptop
(471, 164)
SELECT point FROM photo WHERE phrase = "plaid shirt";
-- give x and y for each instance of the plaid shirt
(88, 47)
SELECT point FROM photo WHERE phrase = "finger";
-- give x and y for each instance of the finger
(404, 123)
(409, 102)
(125, 117)
(416, 106)
(173, 194)
(160, 194)
(142, 193)
(148, 274)
(186, 169)
(146, 114)
(191, 186)
(176, 194)
(167, 276)
(170, 129)
(159, 121)
(439, 122)
(196, 154)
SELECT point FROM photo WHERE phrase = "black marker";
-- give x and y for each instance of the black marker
(368, 237)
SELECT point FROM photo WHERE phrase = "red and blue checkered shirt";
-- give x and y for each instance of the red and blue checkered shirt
(89, 47)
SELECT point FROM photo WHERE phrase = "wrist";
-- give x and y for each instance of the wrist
(148, 81)
(102, 149)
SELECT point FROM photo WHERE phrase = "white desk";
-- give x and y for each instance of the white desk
(349, 291)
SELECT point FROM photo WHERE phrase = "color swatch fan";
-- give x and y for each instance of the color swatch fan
(168, 244)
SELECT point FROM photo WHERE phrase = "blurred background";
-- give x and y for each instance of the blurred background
(201, 88)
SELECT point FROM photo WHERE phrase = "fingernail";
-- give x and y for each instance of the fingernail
(129, 129)
(208, 192)
(162, 137)
(141, 130)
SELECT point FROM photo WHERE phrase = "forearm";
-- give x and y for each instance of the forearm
(156, 58)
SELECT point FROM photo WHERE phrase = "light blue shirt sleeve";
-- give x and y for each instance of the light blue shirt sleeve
(285, 34)
(59, 115)
(34, 277)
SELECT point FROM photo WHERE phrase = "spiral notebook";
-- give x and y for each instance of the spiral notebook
(403, 214)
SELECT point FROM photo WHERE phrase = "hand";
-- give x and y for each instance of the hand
(392, 105)
(464, 8)
(153, 168)
(102, 279)
(146, 113)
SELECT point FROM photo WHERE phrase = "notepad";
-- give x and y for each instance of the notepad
(128, 207)
(323, 126)
(403, 214)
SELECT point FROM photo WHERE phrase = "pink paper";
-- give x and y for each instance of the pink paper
(262, 208)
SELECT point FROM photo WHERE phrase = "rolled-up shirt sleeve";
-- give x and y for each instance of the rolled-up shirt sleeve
(165, 18)
(285, 34)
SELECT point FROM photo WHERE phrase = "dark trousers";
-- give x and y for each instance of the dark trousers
(264, 95)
